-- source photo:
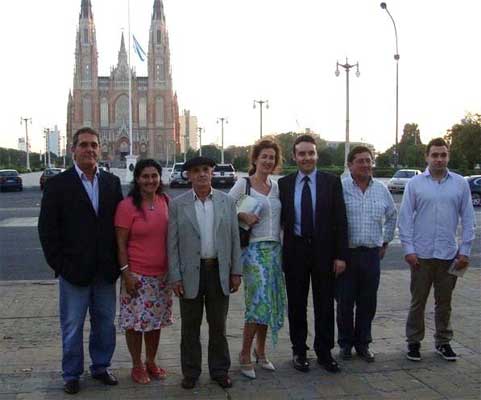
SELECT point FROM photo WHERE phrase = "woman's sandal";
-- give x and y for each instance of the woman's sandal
(155, 372)
(140, 375)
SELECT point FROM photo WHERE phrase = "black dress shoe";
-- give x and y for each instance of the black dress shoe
(188, 382)
(71, 387)
(345, 353)
(223, 381)
(300, 362)
(366, 354)
(329, 363)
(107, 378)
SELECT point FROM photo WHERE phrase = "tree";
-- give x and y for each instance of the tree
(411, 134)
(465, 142)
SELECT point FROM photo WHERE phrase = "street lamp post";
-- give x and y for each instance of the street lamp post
(396, 57)
(46, 131)
(222, 120)
(261, 103)
(200, 140)
(347, 67)
(26, 121)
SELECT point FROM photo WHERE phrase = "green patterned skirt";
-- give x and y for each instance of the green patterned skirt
(264, 285)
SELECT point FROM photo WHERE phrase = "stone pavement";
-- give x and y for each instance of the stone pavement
(30, 354)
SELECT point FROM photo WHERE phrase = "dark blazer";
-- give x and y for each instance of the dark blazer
(330, 237)
(78, 244)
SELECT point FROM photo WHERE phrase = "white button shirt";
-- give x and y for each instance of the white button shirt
(204, 211)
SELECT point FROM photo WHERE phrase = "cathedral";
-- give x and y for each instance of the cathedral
(102, 102)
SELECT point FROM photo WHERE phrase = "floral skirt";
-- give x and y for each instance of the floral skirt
(150, 310)
(264, 285)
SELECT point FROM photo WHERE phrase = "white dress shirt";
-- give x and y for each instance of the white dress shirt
(91, 187)
(204, 211)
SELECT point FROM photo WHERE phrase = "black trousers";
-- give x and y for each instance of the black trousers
(357, 287)
(298, 276)
(191, 311)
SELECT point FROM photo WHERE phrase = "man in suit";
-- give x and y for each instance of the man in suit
(204, 268)
(314, 249)
(76, 229)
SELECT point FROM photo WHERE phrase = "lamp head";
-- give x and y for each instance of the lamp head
(383, 5)
(254, 104)
(267, 103)
(337, 71)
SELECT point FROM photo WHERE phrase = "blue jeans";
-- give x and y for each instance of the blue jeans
(99, 299)
(357, 287)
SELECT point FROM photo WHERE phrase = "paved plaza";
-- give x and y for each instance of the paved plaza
(30, 354)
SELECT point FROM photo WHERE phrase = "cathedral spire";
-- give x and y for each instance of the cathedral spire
(86, 9)
(158, 13)
(123, 61)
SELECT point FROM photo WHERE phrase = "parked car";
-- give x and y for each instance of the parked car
(224, 175)
(48, 173)
(10, 179)
(475, 186)
(398, 182)
(177, 178)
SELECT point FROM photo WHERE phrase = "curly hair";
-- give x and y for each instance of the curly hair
(261, 144)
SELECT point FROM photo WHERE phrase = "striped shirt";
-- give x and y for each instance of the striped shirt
(430, 213)
(371, 215)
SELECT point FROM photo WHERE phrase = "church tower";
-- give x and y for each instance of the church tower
(160, 93)
(85, 83)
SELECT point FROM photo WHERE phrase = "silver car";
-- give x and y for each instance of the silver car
(398, 182)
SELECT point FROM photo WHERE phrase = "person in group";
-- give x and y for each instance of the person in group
(76, 229)
(433, 204)
(261, 259)
(371, 220)
(204, 268)
(145, 298)
(314, 249)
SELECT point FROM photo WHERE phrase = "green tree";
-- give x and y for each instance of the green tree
(465, 142)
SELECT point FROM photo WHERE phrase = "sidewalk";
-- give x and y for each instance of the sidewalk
(30, 354)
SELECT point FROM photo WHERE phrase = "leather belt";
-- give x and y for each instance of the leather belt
(303, 240)
(209, 262)
(363, 248)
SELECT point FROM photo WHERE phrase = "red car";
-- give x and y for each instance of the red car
(48, 173)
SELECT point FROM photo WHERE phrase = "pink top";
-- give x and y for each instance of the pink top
(147, 243)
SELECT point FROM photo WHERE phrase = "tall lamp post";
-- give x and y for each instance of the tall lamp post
(347, 67)
(26, 121)
(396, 57)
(222, 120)
(46, 131)
(261, 103)
(199, 129)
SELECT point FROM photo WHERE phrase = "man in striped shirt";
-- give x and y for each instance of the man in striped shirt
(371, 217)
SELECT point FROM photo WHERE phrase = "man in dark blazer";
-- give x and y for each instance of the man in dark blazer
(76, 229)
(314, 249)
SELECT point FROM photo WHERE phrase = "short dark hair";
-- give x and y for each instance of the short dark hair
(439, 141)
(302, 138)
(85, 129)
(357, 150)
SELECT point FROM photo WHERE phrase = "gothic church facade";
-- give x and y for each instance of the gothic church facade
(102, 102)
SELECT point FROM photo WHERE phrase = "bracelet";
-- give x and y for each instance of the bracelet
(122, 269)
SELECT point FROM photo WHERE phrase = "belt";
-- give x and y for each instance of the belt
(209, 262)
(363, 248)
(303, 240)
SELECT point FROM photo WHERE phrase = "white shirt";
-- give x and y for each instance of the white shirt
(269, 226)
(92, 188)
(204, 211)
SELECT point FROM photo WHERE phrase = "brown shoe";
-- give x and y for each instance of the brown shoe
(188, 382)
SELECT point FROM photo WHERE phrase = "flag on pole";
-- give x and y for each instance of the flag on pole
(138, 49)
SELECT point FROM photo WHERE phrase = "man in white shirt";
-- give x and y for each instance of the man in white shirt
(204, 268)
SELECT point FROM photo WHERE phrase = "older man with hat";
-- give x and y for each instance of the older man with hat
(204, 268)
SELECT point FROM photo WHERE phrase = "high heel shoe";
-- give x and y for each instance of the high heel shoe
(247, 369)
(264, 362)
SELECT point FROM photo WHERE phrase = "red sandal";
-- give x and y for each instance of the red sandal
(140, 375)
(155, 372)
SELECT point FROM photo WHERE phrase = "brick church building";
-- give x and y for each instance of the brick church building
(102, 102)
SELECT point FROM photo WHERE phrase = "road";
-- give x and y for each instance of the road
(21, 257)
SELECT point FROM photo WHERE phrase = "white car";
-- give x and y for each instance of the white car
(224, 175)
(398, 182)
(177, 178)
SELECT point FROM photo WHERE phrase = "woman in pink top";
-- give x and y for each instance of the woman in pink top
(145, 298)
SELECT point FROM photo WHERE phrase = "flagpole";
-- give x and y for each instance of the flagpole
(130, 84)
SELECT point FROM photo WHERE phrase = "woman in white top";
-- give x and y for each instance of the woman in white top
(262, 269)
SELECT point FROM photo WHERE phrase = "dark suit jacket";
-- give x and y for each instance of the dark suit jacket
(330, 238)
(78, 244)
